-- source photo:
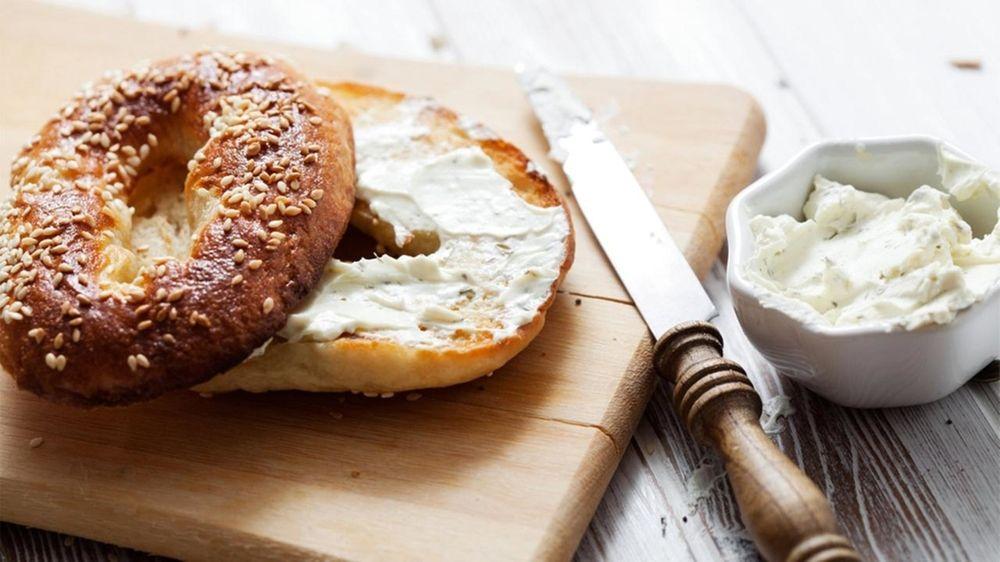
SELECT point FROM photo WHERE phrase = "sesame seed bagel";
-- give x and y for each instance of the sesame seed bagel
(165, 222)
(478, 242)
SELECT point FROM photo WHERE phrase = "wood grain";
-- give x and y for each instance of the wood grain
(798, 58)
(510, 467)
(785, 512)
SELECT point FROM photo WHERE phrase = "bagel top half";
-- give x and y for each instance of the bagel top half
(478, 242)
(165, 222)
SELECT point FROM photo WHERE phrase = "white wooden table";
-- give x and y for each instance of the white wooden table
(917, 483)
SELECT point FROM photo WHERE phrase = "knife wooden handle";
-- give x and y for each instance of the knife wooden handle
(787, 515)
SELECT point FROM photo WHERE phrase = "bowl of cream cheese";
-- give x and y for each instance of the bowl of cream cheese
(869, 270)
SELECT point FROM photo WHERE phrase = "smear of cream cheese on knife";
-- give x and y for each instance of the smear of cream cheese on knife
(497, 259)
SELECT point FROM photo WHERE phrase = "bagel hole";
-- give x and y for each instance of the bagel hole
(358, 245)
(161, 222)
(420, 243)
(355, 246)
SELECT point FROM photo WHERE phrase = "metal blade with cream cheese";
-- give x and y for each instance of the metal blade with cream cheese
(648, 262)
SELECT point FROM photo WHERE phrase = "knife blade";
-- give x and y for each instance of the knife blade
(786, 514)
(648, 262)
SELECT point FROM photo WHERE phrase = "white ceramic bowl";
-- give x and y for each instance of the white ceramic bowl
(868, 366)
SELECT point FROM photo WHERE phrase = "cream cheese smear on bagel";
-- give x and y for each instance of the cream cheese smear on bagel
(497, 259)
(479, 242)
(862, 258)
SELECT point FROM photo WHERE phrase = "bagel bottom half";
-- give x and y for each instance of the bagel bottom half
(476, 241)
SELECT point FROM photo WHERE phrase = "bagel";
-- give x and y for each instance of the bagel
(482, 240)
(120, 278)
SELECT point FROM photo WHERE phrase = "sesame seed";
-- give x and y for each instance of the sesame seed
(175, 295)
(237, 279)
(145, 325)
(76, 334)
(255, 264)
(227, 180)
(315, 120)
(57, 342)
(133, 363)
(50, 360)
(142, 361)
(268, 305)
(38, 334)
(36, 442)
(151, 140)
(239, 256)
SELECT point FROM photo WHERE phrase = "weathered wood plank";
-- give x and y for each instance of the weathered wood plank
(847, 69)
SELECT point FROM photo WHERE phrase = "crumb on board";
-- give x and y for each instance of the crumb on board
(967, 64)
(36, 442)
(337, 415)
(355, 474)
(578, 302)
(413, 396)
(438, 41)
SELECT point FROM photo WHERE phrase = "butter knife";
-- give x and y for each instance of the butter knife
(786, 514)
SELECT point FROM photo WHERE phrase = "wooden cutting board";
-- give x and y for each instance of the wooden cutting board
(507, 467)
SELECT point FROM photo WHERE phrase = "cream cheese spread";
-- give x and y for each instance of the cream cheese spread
(495, 265)
(862, 258)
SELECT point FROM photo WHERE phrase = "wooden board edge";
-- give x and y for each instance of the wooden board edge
(178, 537)
(632, 394)
(574, 513)
(637, 384)
(735, 175)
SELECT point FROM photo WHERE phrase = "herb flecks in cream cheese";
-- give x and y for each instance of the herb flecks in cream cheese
(863, 258)
(497, 259)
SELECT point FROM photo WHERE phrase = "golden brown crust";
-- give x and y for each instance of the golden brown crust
(273, 172)
(364, 364)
